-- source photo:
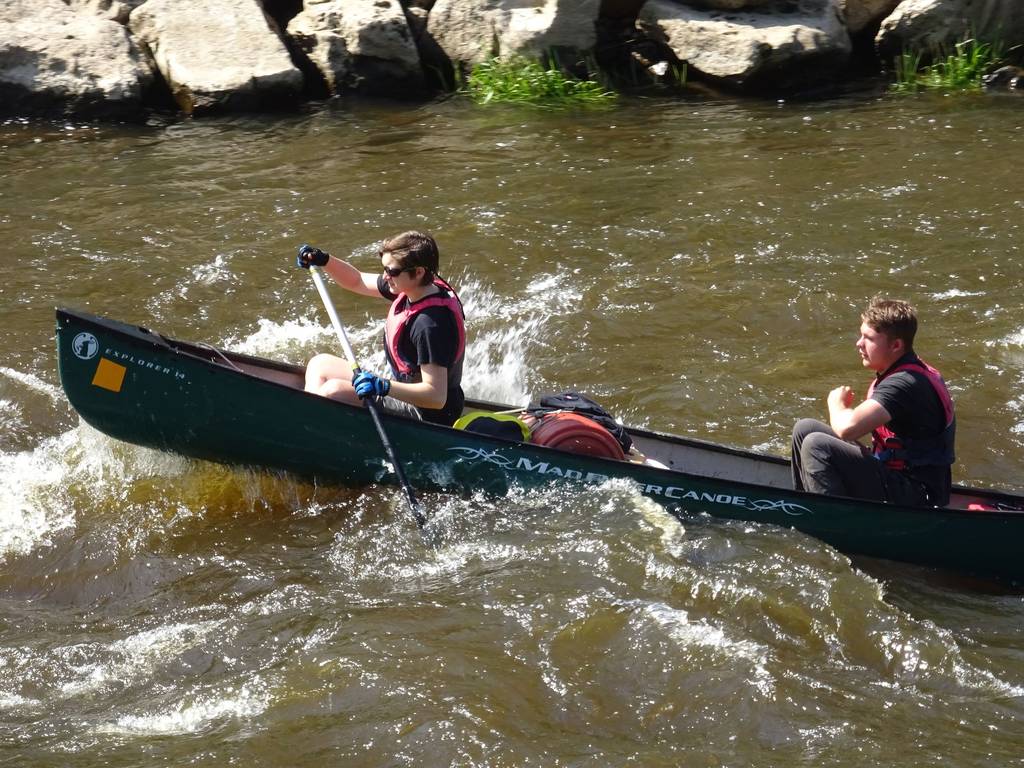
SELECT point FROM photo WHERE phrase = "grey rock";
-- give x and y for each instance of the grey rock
(115, 10)
(54, 59)
(924, 25)
(217, 56)
(364, 45)
(788, 45)
(728, 5)
(473, 31)
(1004, 77)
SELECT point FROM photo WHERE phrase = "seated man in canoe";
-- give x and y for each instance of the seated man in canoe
(424, 337)
(908, 412)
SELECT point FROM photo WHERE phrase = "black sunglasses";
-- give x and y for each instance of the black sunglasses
(396, 271)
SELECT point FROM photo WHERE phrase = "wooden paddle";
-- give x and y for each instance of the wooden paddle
(414, 505)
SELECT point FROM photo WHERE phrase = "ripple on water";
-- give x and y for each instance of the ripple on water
(33, 503)
(194, 714)
(667, 262)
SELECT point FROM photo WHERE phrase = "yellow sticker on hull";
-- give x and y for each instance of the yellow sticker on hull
(109, 375)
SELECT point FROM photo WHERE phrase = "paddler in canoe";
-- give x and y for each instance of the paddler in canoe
(908, 412)
(424, 338)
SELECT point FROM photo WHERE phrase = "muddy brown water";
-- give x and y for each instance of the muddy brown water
(698, 267)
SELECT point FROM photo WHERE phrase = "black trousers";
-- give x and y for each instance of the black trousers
(822, 463)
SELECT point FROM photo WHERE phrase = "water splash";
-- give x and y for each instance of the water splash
(196, 715)
(499, 338)
(84, 472)
(300, 339)
(132, 660)
(35, 384)
(1011, 348)
(501, 334)
(1015, 339)
(33, 505)
(213, 272)
(120, 494)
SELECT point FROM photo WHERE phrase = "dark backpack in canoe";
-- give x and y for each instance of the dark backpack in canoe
(584, 406)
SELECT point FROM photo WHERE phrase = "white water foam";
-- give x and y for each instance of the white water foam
(10, 700)
(34, 383)
(499, 335)
(676, 623)
(34, 502)
(11, 415)
(1012, 345)
(303, 336)
(213, 272)
(103, 460)
(135, 658)
(249, 701)
(955, 293)
(38, 486)
(906, 654)
(1015, 339)
(32, 507)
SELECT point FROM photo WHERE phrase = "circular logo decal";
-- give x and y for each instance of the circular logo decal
(85, 346)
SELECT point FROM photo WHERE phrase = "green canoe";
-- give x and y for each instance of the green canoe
(192, 399)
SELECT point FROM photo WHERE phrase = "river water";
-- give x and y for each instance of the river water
(696, 266)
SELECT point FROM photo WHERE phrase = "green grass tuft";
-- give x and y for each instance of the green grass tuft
(520, 81)
(959, 70)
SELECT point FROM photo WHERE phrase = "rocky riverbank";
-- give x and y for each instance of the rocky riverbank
(126, 58)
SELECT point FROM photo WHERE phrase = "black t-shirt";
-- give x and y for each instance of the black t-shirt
(431, 337)
(916, 412)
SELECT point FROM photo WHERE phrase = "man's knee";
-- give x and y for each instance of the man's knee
(818, 452)
(817, 444)
(806, 427)
(820, 470)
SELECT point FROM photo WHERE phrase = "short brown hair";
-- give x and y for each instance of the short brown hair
(895, 318)
(414, 249)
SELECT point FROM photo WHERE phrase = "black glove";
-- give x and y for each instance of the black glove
(311, 257)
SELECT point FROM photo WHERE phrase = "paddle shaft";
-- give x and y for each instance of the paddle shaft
(374, 408)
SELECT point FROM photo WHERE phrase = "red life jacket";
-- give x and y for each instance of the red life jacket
(904, 452)
(402, 312)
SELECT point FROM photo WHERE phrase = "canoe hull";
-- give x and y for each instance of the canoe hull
(142, 388)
